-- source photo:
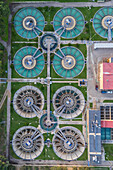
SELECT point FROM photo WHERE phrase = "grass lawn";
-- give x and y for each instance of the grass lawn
(3, 117)
(108, 101)
(109, 151)
(3, 62)
(91, 105)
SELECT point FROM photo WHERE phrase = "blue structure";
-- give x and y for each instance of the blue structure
(94, 137)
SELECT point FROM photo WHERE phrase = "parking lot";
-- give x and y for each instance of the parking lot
(93, 59)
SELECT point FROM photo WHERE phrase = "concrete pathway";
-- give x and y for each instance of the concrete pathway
(69, 122)
(8, 87)
(17, 5)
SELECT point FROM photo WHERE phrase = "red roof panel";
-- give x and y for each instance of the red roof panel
(108, 76)
(106, 124)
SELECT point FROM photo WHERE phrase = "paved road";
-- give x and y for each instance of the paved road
(64, 81)
(58, 162)
(8, 86)
(69, 122)
(23, 80)
(7, 93)
(18, 5)
(3, 43)
(48, 80)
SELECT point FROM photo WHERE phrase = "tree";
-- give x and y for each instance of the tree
(3, 161)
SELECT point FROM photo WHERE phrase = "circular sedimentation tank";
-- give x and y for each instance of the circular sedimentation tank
(68, 143)
(44, 124)
(29, 62)
(51, 38)
(68, 62)
(29, 22)
(68, 22)
(103, 21)
(28, 101)
(28, 142)
(68, 102)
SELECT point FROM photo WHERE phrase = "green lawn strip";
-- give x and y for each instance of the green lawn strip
(3, 62)
(109, 151)
(3, 133)
(108, 101)
(44, 72)
(91, 105)
(3, 117)
(5, 30)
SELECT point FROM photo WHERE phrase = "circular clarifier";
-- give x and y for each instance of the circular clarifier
(29, 22)
(68, 22)
(68, 62)
(28, 142)
(68, 102)
(103, 21)
(48, 125)
(29, 62)
(51, 38)
(28, 101)
(68, 143)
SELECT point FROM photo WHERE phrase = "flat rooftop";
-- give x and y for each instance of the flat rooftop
(106, 76)
(94, 136)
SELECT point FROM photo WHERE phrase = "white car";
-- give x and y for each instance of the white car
(110, 92)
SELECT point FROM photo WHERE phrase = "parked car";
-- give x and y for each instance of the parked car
(110, 91)
(103, 91)
(96, 87)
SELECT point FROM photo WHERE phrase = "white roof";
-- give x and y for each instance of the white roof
(103, 45)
